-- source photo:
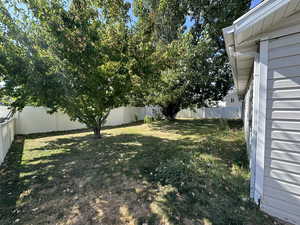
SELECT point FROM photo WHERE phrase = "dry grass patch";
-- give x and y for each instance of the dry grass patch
(186, 172)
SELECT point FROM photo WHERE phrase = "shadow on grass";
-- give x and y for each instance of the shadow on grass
(133, 179)
(10, 185)
(197, 126)
(77, 131)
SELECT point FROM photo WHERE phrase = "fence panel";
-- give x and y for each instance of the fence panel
(212, 113)
(232, 112)
(133, 114)
(228, 112)
(37, 120)
(152, 111)
(7, 133)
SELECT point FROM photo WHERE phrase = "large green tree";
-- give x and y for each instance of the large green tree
(66, 55)
(190, 63)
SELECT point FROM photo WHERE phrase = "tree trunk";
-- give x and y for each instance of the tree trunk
(97, 132)
(170, 111)
(98, 125)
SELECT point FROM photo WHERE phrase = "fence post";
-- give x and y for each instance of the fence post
(1, 146)
(13, 129)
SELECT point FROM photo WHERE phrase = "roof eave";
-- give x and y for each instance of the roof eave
(241, 39)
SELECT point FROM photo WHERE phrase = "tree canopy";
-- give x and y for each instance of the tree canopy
(83, 57)
(70, 57)
(189, 64)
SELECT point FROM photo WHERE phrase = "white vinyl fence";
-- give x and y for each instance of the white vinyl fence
(153, 111)
(7, 133)
(36, 119)
(195, 114)
(228, 112)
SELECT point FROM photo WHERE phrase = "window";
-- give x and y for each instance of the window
(232, 100)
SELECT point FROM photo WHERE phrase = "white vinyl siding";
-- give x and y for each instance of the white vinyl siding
(261, 127)
(248, 114)
(254, 191)
(282, 154)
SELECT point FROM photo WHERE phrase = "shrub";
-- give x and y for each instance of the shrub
(158, 116)
(148, 119)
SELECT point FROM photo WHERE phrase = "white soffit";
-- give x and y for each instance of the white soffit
(242, 37)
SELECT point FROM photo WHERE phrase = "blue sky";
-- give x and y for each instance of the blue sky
(255, 3)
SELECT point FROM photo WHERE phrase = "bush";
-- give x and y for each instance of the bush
(158, 117)
(148, 119)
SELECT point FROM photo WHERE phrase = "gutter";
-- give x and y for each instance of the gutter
(238, 46)
(228, 34)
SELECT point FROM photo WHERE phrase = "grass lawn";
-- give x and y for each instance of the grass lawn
(190, 172)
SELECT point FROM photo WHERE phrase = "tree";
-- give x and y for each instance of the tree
(21, 67)
(191, 76)
(75, 55)
(191, 67)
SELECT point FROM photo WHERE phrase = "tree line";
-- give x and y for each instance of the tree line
(86, 57)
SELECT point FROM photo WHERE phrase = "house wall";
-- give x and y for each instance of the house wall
(281, 189)
(231, 99)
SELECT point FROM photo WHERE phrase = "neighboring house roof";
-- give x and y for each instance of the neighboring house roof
(241, 38)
